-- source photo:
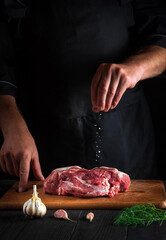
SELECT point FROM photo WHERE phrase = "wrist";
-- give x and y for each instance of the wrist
(149, 60)
(11, 120)
(137, 68)
(14, 127)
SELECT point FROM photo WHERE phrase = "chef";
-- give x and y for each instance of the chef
(70, 84)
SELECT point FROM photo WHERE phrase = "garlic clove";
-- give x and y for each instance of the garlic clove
(40, 208)
(30, 208)
(90, 216)
(44, 210)
(25, 205)
(62, 214)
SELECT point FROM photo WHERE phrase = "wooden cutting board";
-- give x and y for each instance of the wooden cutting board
(140, 192)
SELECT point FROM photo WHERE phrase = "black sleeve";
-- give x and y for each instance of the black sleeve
(150, 18)
(8, 84)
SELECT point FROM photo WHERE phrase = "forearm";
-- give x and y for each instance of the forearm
(150, 61)
(10, 117)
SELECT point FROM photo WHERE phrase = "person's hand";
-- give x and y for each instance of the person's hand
(18, 154)
(110, 82)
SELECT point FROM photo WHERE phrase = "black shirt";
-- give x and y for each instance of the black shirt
(58, 47)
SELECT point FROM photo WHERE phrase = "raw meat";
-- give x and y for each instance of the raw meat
(81, 182)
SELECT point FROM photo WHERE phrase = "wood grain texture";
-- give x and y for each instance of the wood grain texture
(140, 192)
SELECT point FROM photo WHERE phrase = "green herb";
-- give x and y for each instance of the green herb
(143, 214)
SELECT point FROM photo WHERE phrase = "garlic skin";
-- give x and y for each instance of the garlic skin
(62, 214)
(90, 216)
(34, 206)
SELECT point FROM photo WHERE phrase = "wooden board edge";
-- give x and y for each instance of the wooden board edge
(161, 205)
(4, 205)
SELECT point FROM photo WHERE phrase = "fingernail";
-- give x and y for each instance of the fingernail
(42, 178)
(20, 189)
(114, 104)
(95, 109)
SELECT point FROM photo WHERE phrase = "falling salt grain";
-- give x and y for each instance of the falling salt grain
(98, 140)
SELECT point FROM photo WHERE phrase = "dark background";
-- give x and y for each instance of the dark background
(155, 92)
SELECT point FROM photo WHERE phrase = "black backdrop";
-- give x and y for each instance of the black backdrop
(155, 92)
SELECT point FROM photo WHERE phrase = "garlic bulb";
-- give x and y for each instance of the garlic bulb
(34, 206)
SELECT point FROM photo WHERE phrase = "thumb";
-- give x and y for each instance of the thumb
(36, 168)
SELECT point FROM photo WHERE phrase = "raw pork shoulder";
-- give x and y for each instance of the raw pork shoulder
(81, 182)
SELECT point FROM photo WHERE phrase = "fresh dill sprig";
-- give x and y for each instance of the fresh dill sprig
(143, 214)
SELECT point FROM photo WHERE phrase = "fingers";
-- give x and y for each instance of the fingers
(3, 164)
(108, 86)
(35, 164)
(100, 86)
(19, 165)
(16, 156)
(9, 164)
(119, 93)
(16, 164)
(94, 87)
(112, 91)
(102, 92)
(24, 172)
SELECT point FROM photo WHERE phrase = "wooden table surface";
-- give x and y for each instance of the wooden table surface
(14, 226)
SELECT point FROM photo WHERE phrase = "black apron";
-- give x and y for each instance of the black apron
(65, 41)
